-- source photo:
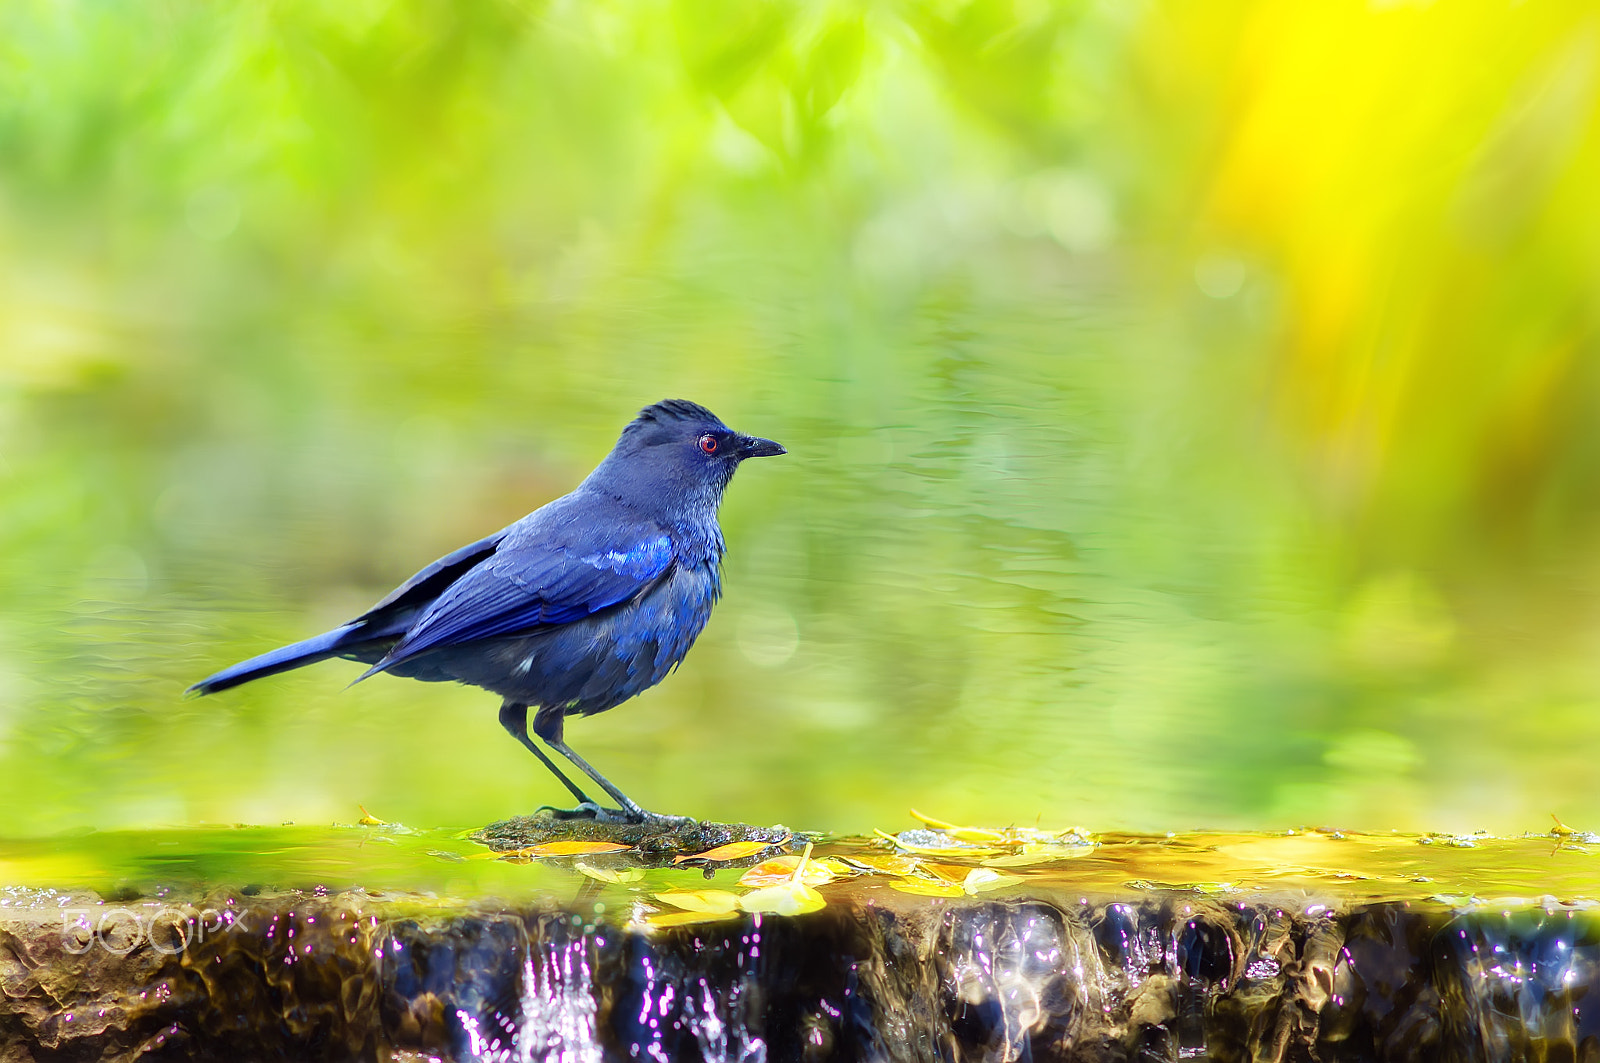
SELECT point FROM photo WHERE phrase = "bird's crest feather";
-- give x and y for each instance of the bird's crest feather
(668, 410)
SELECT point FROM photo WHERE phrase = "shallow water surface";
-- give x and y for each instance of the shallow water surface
(1345, 867)
(1118, 490)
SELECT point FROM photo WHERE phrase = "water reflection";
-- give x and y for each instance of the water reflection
(1159, 455)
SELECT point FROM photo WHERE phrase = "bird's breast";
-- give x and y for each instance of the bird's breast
(592, 664)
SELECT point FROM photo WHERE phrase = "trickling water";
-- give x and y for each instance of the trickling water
(1015, 971)
(558, 1005)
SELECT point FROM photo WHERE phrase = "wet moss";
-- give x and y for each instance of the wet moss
(655, 843)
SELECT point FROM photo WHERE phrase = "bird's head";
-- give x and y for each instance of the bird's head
(683, 446)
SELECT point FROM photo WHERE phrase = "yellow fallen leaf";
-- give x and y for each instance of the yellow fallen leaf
(566, 848)
(936, 824)
(620, 876)
(369, 820)
(956, 873)
(666, 919)
(837, 868)
(731, 851)
(781, 869)
(975, 835)
(716, 902)
(983, 836)
(887, 863)
(983, 879)
(925, 887)
(791, 898)
(997, 835)
(1560, 830)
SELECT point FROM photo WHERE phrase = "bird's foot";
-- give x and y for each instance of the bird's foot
(590, 811)
(656, 819)
(595, 813)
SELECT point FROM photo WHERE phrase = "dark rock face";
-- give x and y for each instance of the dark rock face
(1158, 976)
(653, 843)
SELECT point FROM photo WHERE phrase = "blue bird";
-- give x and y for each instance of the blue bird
(575, 608)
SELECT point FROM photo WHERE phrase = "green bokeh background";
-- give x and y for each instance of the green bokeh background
(1194, 410)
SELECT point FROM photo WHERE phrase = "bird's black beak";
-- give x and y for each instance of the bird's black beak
(753, 447)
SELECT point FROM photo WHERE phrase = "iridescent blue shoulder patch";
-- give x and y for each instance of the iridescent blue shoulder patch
(643, 561)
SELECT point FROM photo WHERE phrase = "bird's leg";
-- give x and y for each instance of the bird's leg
(514, 718)
(549, 724)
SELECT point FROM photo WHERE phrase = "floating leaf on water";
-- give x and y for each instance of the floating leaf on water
(563, 848)
(1004, 835)
(953, 873)
(954, 881)
(715, 902)
(620, 876)
(730, 851)
(983, 879)
(791, 898)
(369, 820)
(936, 824)
(932, 843)
(767, 873)
(886, 863)
(926, 887)
(982, 836)
(781, 869)
(570, 848)
(657, 920)
(973, 835)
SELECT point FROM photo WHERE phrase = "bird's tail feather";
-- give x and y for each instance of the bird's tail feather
(319, 648)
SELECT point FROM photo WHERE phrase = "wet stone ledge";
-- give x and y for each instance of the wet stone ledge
(535, 940)
(1147, 975)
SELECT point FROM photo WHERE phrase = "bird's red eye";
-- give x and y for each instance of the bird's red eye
(708, 443)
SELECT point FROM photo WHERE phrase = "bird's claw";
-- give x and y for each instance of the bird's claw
(656, 819)
(588, 810)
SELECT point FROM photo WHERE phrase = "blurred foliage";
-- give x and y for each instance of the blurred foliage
(1194, 410)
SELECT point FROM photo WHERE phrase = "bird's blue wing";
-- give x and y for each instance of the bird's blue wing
(414, 594)
(529, 586)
